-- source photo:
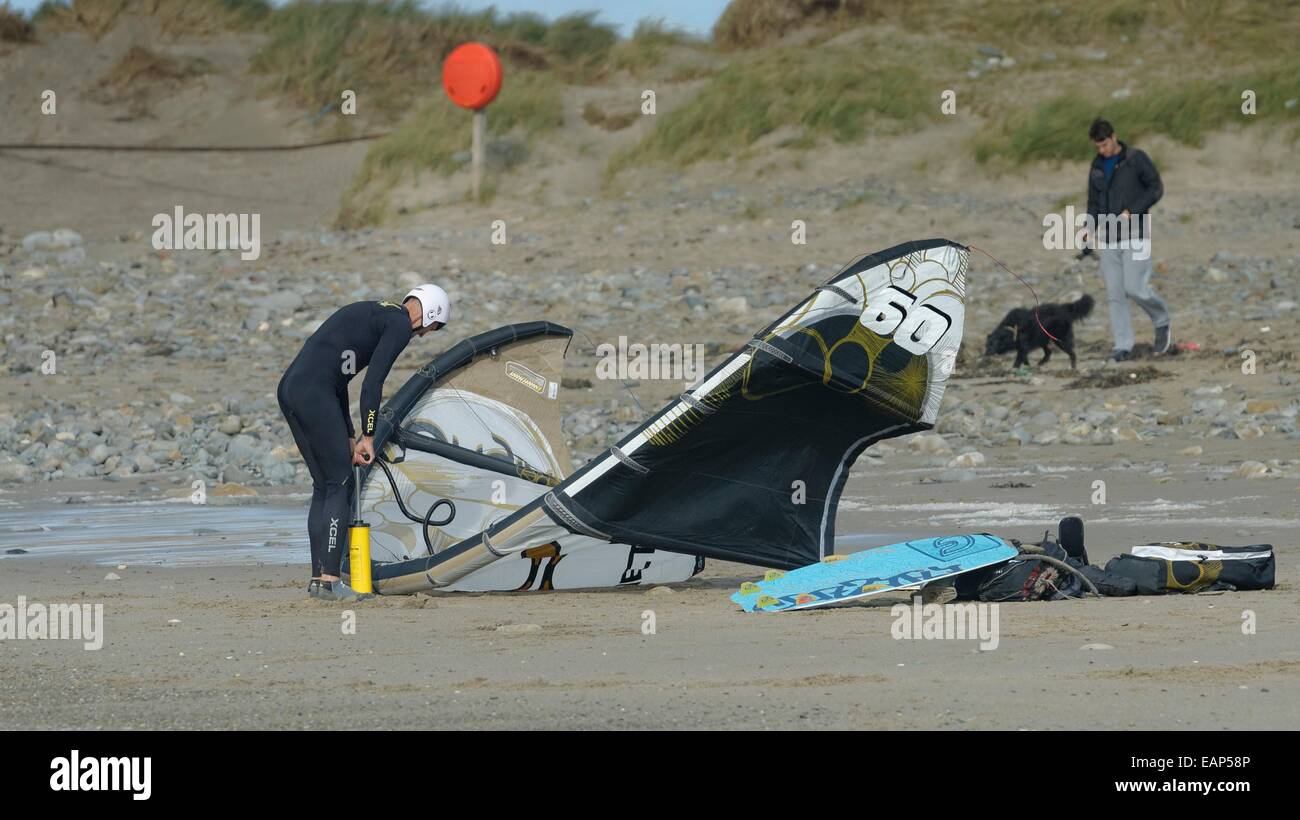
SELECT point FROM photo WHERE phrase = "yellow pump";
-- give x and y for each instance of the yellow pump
(359, 542)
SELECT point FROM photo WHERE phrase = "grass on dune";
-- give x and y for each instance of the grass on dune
(844, 92)
(1241, 27)
(14, 27)
(753, 23)
(578, 40)
(1056, 129)
(379, 50)
(175, 18)
(841, 93)
(140, 66)
(1222, 30)
(649, 46)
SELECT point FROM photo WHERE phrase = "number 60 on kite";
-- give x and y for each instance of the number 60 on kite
(916, 331)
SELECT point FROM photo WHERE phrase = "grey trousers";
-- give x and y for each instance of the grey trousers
(1129, 278)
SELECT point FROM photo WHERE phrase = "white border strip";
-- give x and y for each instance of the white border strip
(1179, 554)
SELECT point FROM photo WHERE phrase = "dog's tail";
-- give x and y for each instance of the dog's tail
(1078, 310)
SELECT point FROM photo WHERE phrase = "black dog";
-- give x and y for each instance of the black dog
(1020, 331)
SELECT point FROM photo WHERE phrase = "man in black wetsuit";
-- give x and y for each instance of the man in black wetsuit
(313, 396)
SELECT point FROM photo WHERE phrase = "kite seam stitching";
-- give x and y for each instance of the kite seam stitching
(628, 461)
(759, 344)
(696, 404)
(839, 291)
(570, 520)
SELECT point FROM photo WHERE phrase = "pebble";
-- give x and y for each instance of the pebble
(230, 425)
(1246, 430)
(1251, 469)
(971, 459)
(929, 443)
(14, 471)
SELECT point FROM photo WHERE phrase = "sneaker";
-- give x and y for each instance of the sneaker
(339, 591)
(313, 589)
(1119, 355)
(1164, 339)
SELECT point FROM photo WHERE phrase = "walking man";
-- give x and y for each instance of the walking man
(1123, 185)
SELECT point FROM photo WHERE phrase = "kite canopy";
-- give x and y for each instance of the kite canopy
(747, 466)
(480, 425)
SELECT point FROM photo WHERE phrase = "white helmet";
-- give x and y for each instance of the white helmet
(434, 304)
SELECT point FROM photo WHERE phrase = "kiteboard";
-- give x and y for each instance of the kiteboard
(839, 578)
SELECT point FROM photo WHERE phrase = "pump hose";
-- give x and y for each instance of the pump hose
(427, 521)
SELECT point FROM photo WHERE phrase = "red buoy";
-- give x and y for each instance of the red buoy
(471, 75)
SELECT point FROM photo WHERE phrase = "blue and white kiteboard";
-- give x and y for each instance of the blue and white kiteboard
(839, 578)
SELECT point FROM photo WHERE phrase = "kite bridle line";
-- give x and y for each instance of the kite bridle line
(1037, 303)
(595, 352)
(459, 394)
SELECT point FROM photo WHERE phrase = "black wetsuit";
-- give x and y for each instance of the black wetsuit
(313, 396)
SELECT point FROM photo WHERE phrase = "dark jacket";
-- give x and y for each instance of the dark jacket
(1134, 184)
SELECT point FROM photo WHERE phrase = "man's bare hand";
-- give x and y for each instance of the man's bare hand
(364, 450)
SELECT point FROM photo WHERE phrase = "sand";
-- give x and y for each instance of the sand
(250, 650)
